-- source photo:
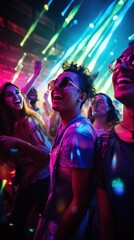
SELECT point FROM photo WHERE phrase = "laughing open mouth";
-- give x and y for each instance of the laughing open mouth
(124, 81)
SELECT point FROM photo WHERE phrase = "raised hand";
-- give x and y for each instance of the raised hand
(37, 67)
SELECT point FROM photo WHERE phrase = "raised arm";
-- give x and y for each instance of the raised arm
(46, 105)
(37, 70)
(35, 152)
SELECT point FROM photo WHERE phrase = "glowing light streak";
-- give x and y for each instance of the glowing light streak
(99, 51)
(19, 67)
(105, 79)
(131, 37)
(107, 85)
(67, 54)
(52, 41)
(20, 61)
(57, 67)
(114, 162)
(71, 15)
(32, 28)
(80, 45)
(102, 16)
(105, 42)
(93, 41)
(65, 23)
(95, 38)
(108, 82)
(16, 75)
(98, 21)
(4, 181)
(65, 10)
(100, 81)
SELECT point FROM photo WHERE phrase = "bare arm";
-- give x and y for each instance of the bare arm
(81, 186)
(46, 105)
(37, 70)
(37, 153)
(105, 216)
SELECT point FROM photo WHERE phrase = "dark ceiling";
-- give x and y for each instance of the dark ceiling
(16, 17)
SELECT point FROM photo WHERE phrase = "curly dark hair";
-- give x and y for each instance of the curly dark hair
(85, 77)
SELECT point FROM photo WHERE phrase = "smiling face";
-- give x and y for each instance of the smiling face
(123, 78)
(66, 99)
(32, 95)
(13, 98)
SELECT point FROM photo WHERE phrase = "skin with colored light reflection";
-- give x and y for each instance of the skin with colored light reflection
(123, 80)
(99, 105)
(102, 113)
(74, 175)
(14, 99)
(30, 137)
(115, 194)
(123, 83)
(67, 102)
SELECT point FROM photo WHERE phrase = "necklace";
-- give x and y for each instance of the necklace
(131, 131)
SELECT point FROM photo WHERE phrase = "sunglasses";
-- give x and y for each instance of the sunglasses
(115, 64)
(62, 83)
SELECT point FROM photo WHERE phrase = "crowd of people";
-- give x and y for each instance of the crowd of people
(76, 168)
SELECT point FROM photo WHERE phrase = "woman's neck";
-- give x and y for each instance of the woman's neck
(101, 124)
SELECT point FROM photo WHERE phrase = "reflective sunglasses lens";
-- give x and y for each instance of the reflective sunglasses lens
(110, 67)
(114, 65)
(64, 82)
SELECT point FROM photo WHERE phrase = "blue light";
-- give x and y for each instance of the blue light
(118, 186)
(78, 152)
(75, 22)
(114, 162)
